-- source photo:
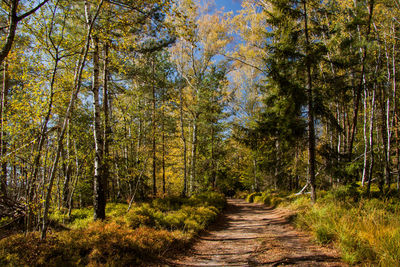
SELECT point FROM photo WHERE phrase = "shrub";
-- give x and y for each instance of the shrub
(209, 198)
(143, 215)
(250, 197)
(190, 218)
(101, 243)
(241, 194)
(116, 209)
(125, 240)
(168, 203)
(344, 194)
(264, 198)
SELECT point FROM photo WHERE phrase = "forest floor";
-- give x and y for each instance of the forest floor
(249, 234)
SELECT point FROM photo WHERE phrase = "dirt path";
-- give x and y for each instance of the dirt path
(254, 235)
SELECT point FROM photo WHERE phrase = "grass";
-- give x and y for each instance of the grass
(366, 230)
(147, 231)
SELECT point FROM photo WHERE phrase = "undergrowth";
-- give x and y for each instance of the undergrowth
(269, 197)
(365, 229)
(147, 231)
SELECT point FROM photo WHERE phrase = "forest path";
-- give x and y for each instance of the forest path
(249, 234)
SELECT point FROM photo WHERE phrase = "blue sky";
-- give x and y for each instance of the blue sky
(229, 5)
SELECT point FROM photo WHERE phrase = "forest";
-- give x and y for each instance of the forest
(122, 116)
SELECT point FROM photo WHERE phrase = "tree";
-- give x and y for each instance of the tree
(12, 9)
(193, 55)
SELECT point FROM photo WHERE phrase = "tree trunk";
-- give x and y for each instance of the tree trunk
(107, 127)
(163, 143)
(371, 142)
(13, 22)
(360, 84)
(213, 173)
(3, 143)
(194, 156)
(99, 195)
(154, 129)
(184, 190)
(67, 175)
(77, 87)
(311, 129)
(365, 165)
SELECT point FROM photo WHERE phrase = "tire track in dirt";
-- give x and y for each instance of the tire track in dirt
(249, 234)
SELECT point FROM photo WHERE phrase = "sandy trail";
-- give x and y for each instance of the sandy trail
(249, 234)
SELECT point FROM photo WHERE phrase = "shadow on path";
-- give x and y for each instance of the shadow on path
(249, 234)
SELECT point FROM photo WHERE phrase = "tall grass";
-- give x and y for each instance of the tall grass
(367, 230)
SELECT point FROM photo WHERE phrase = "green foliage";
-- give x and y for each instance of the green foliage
(168, 203)
(265, 199)
(268, 198)
(145, 232)
(343, 194)
(143, 215)
(241, 194)
(192, 214)
(365, 230)
(209, 198)
(250, 197)
(5, 220)
(324, 234)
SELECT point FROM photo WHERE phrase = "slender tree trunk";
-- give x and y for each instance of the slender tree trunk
(361, 84)
(311, 130)
(163, 144)
(154, 129)
(14, 19)
(77, 87)
(3, 143)
(107, 127)
(42, 139)
(213, 173)
(184, 191)
(371, 141)
(77, 173)
(67, 173)
(99, 195)
(255, 173)
(194, 156)
(365, 166)
(389, 120)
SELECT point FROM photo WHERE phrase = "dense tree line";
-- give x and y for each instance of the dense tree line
(328, 112)
(121, 100)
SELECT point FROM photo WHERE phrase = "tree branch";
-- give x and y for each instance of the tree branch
(33, 10)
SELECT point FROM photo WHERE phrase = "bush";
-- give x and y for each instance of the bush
(100, 244)
(168, 203)
(264, 198)
(143, 215)
(250, 197)
(344, 194)
(191, 219)
(241, 194)
(116, 209)
(209, 198)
